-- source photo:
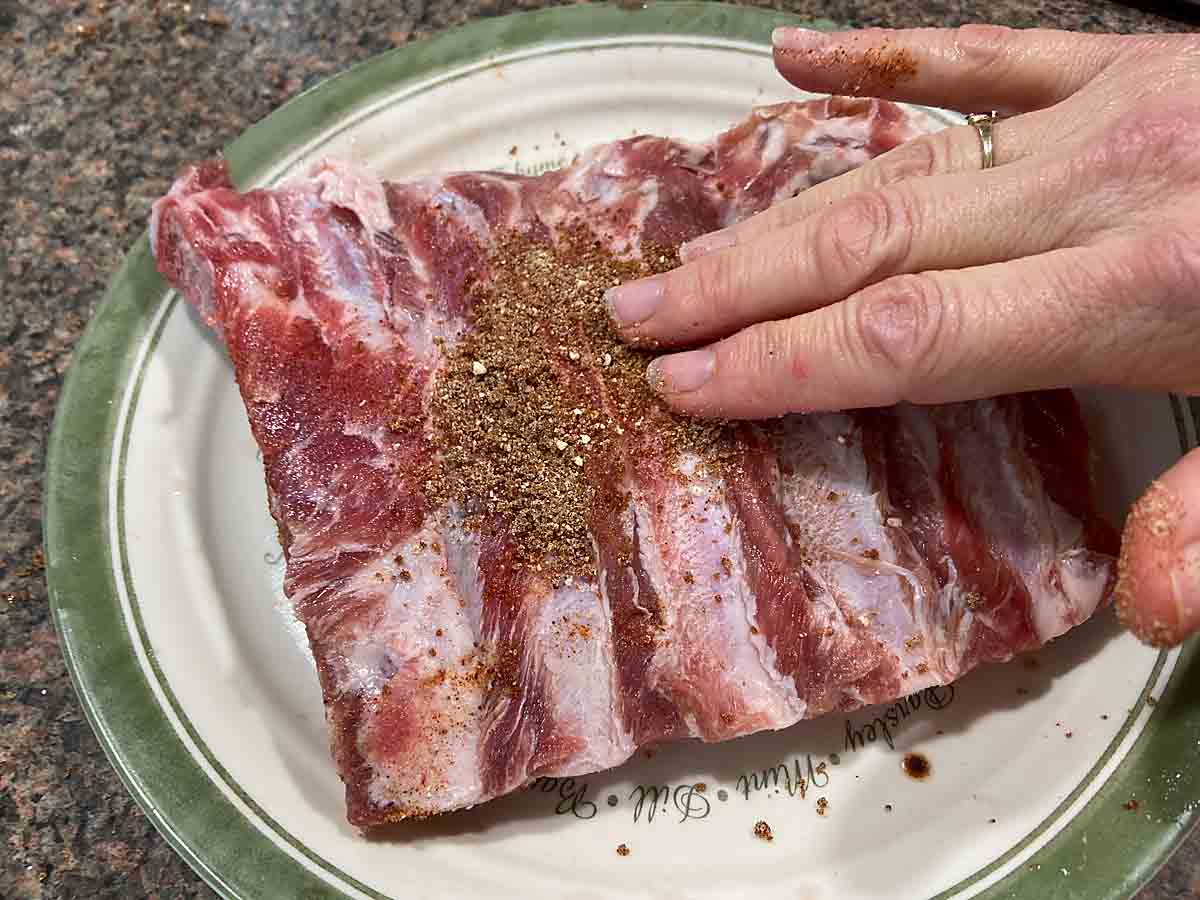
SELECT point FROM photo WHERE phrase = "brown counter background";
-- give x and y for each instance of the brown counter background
(99, 104)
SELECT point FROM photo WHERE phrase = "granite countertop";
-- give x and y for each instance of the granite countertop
(99, 104)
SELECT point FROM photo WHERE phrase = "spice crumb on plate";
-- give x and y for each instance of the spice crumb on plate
(762, 831)
(622, 850)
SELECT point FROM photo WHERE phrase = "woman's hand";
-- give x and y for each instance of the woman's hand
(921, 277)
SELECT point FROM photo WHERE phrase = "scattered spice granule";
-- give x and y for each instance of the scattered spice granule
(916, 765)
(1130, 805)
(991, 821)
(1070, 733)
(1104, 716)
(762, 831)
(701, 787)
(622, 850)
(887, 807)
(822, 806)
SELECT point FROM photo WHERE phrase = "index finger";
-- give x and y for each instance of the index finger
(971, 69)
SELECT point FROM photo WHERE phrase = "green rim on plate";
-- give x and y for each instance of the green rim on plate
(1103, 853)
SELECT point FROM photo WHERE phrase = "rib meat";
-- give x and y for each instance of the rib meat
(859, 556)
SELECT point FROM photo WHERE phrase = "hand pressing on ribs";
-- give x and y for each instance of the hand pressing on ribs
(923, 277)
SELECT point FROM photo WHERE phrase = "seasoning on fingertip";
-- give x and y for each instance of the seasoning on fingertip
(680, 373)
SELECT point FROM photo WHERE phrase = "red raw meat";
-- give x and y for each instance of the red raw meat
(859, 556)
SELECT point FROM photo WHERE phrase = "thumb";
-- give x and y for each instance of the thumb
(1158, 578)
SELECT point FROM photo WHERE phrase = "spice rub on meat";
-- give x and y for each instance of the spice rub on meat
(537, 408)
(510, 559)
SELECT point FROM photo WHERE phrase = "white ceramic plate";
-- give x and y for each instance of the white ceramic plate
(165, 574)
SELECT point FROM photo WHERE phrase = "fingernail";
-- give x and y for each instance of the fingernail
(1185, 584)
(680, 373)
(629, 304)
(707, 243)
(790, 37)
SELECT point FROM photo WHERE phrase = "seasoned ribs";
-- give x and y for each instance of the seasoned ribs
(858, 556)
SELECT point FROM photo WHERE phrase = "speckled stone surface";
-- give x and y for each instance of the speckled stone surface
(99, 103)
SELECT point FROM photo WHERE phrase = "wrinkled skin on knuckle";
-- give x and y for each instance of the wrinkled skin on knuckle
(1043, 318)
(1141, 165)
(1153, 139)
(1084, 319)
(1155, 292)
(1172, 257)
(867, 235)
(902, 326)
(752, 360)
(699, 293)
(1088, 206)
(918, 158)
(984, 52)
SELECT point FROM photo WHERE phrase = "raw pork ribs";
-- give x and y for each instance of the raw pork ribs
(863, 557)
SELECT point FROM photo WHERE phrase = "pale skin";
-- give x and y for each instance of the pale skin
(919, 277)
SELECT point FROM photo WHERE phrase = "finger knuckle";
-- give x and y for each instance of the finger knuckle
(981, 49)
(902, 325)
(760, 353)
(697, 293)
(868, 234)
(1171, 258)
(1147, 141)
(918, 158)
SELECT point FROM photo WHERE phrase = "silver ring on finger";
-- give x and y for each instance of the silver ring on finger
(983, 123)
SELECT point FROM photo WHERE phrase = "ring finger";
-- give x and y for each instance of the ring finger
(954, 149)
